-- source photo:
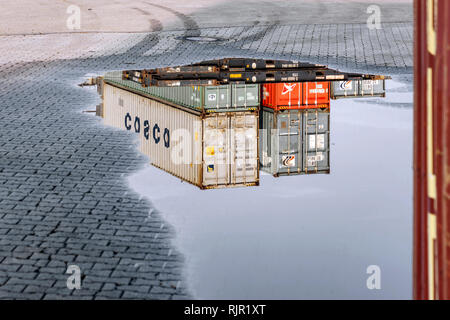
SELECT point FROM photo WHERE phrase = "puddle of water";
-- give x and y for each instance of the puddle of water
(304, 237)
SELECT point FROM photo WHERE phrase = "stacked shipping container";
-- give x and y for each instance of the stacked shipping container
(210, 150)
(295, 122)
(209, 135)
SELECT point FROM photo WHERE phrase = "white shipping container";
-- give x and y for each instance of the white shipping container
(211, 151)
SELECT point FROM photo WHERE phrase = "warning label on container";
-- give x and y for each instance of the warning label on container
(210, 151)
(288, 161)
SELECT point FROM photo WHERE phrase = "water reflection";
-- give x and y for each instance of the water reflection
(304, 236)
(216, 141)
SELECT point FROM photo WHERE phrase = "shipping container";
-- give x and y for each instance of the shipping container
(210, 150)
(372, 88)
(316, 93)
(431, 270)
(296, 95)
(295, 141)
(244, 63)
(344, 89)
(358, 89)
(281, 142)
(234, 97)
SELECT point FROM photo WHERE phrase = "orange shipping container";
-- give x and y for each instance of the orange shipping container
(296, 95)
(316, 93)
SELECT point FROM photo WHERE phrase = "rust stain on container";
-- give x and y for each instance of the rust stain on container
(431, 150)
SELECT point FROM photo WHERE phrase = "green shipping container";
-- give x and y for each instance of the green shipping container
(235, 97)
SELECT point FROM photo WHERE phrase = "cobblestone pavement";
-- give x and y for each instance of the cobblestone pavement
(63, 194)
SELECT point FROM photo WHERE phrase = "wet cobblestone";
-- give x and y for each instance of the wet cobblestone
(63, 194)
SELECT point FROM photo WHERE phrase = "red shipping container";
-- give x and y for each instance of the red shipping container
(315, 93)
(282, 95)
(296, 95)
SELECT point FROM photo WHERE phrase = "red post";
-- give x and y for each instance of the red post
(431, 150)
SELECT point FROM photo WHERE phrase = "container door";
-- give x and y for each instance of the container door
(287, 144)
(372, 88)
(288, 95)
(316, 93)
(265, 141)
(245, 95)
(349, 88)
(218, 97)
(316, 129)
(282, 95)
(215, 150)
(243, 147)
(195, 96)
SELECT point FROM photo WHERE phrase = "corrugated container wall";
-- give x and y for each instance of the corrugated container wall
(432, 150)
(296, 95)
(358, 89)
(236, 97)
(295, 141)
(211, 151)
